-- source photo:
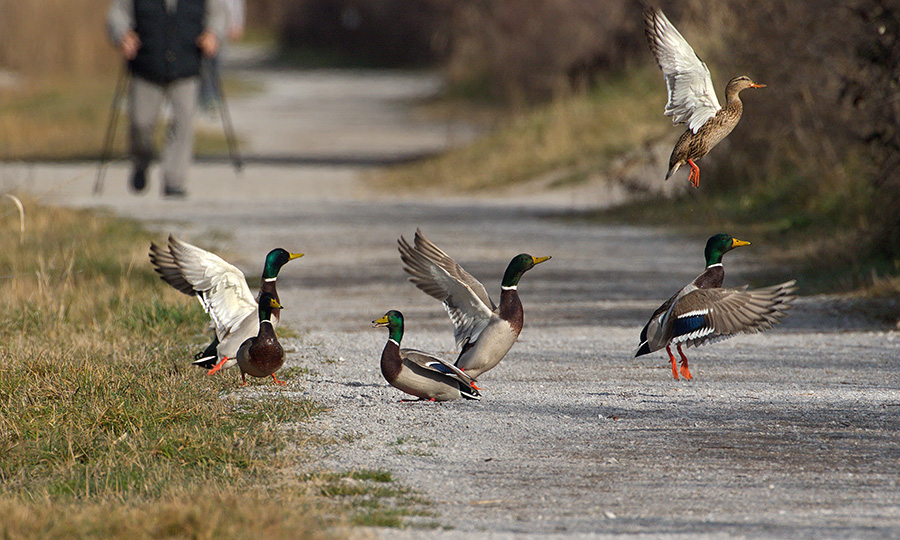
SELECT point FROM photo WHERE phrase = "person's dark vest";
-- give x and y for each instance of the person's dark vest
(169, 48)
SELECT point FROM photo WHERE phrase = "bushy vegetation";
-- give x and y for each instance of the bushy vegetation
(816, 155)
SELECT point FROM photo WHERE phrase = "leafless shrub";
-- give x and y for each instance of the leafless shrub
(527, 50)
(380, 32)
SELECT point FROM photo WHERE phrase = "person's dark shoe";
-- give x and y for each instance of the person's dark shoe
(139, 178)
(174, 192)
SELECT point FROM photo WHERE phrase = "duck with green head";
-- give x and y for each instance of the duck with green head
(275, 259)
(484, 331)
(262, 355)
(418, 373)
(702, 312)
(222, 290)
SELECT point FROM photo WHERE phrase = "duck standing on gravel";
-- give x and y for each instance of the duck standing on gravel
(692, 99)
(222, 291)
(262, 355)
(419, 373)
(702, 312)
(484, 332)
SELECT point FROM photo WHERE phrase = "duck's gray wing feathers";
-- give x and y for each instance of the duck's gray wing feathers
(437, 255)
(438, 365)
(164, 264)
(708, 315)
(470, 309)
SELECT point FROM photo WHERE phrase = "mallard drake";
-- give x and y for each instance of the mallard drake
(484, 332)
(692, 99)
(419, 373)
(262, 355)
(223, 292)
(702, 312)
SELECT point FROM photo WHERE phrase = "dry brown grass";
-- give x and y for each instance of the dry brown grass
(581, 134)
(66, 118)
(106, 431)
(57, 117)
(44, 37)
(204, 514)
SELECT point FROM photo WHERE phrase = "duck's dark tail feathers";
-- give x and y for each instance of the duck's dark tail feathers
(468, 392)
(208, 357)
(642, 350)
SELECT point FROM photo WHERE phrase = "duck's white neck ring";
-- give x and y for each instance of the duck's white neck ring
(270, 280)
(510, 288)
(713, 265)
(266, 321)
(394, 341)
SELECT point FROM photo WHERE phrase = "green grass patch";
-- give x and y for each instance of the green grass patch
(372, 499)
(106, 431)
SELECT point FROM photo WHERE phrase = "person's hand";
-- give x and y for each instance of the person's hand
(208, 43)
(129, 44)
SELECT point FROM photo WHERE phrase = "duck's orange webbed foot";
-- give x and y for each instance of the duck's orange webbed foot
(274, 378)
(695, 174)
(674, 367)
(684, 365)
(218, 366)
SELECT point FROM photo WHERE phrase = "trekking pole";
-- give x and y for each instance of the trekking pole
(230, 138)
(121, 87)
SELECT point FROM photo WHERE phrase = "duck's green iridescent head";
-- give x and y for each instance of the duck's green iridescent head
(267, 303)
(393, 320)
(275, 260)
(720, 244)
(519, 265)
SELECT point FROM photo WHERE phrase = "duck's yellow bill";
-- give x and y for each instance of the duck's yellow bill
(738, 243)
(539, 260)
(295, 256)
(381, 321)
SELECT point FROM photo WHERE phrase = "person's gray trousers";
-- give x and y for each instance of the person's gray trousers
(145, 104)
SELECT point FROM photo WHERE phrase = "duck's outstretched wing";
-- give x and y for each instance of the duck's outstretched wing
(692, 98)
(709, 315)
(220, 286)
(438, 275)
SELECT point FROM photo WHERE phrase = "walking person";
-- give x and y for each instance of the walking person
(164, 41)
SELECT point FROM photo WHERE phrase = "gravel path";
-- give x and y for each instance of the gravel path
(790, 434)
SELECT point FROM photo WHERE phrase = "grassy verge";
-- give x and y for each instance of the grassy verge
(59, 119)
(579, 135)
(105, 431)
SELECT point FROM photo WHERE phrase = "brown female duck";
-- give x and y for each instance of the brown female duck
(262, 355)
(692, 99)
(223, 292)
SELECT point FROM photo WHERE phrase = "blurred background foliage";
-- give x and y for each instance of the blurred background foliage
(817, 155)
